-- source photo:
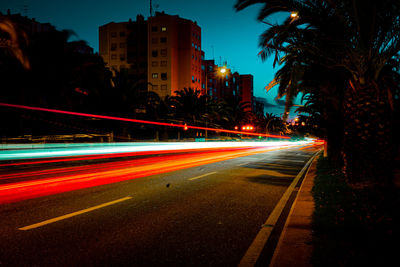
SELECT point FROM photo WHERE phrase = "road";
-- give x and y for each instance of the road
(207, 214)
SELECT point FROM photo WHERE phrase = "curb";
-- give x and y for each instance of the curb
(294, 247)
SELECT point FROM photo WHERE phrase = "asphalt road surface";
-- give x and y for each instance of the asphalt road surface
(206, 215)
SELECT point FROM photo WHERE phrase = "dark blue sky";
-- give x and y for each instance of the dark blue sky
(227, 35)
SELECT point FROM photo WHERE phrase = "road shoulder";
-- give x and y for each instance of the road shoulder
(294, 247)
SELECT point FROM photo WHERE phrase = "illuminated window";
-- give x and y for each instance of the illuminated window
(164, 29)
(154, 75)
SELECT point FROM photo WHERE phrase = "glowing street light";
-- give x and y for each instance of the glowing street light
(247, 128)
(294, 15)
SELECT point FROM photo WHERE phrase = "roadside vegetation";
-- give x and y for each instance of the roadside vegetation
(343, 58)
(353, 226)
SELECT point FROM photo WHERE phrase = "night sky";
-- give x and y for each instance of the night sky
(227, 35)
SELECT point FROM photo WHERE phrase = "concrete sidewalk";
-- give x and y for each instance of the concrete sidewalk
(294, 247)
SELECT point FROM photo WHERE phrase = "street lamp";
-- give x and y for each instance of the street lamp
(220, 71)
(294, 15)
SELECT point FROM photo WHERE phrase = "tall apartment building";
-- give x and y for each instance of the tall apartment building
(246, 89)
(227, 85)
(217, 84)
(174, 54)
(167, 48)
(123, 46)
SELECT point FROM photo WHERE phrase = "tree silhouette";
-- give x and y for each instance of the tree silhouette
(358, 39)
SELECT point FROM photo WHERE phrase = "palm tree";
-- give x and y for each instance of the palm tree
(358, 38)
(189, 105)
(15, 42)
(239, 112)
(218, 113)
(271, 122)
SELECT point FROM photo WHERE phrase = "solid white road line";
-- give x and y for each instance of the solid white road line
(253, 252)
(36, 225)
(201, 176)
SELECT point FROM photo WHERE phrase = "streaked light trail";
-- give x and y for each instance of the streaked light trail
(26, 184)
(184, 126)
(8, 152)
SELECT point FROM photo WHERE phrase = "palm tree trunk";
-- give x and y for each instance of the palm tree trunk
(367, 136)
(334, 135)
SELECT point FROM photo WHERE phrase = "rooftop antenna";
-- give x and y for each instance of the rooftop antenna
(151, 8)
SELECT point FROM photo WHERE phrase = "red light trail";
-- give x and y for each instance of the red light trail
(184, 126)
(110, 156)
(48, 182)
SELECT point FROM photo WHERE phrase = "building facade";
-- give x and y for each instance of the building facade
(123, 46)
(174, 54)
(246, 88)
(228, 84)
(164, 50)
